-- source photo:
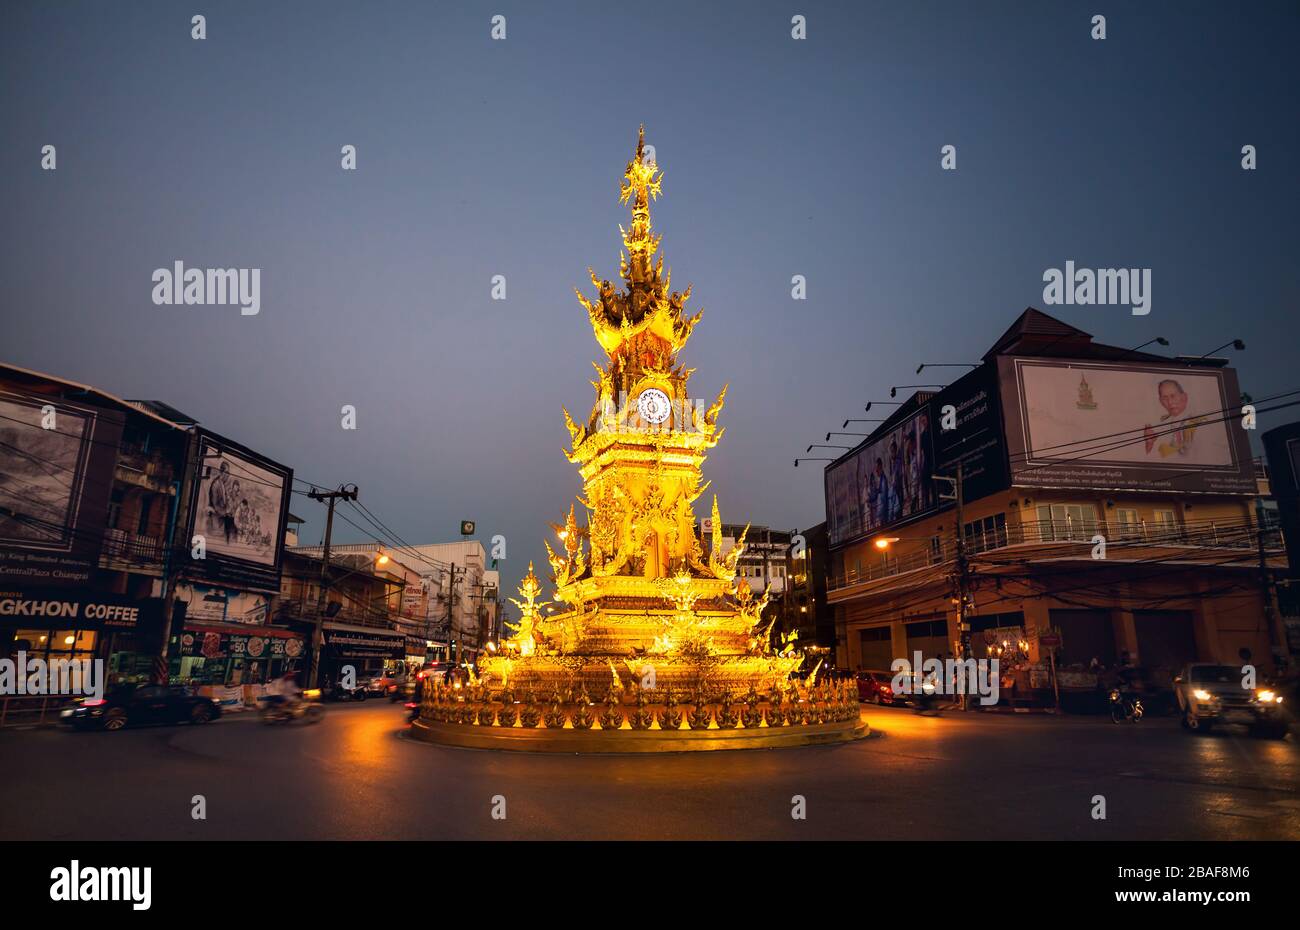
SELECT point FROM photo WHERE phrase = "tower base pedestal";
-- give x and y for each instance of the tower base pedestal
(550, 739)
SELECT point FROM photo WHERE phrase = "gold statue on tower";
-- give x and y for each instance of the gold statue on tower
(650, 618)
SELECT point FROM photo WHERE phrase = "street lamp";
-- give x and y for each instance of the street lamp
(925, 365)
(882, 543)
(1159, 340)
(1236, 344)
(893, 391)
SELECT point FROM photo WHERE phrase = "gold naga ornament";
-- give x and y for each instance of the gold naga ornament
(647, 613)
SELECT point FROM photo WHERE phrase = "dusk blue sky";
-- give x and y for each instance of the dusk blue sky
(477, 158)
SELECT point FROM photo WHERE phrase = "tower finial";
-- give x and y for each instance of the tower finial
(641, 184)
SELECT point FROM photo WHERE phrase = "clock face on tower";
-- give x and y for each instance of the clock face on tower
(653, 406)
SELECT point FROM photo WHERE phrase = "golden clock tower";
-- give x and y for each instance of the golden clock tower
(649, 617)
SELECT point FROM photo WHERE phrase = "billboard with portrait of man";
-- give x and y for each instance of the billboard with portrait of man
(1117, 426)
(239, 508)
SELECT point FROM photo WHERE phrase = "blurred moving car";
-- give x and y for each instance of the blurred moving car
(138, 705)
(383, 683)
(874, 687)
(1209, 695)
(409, 689)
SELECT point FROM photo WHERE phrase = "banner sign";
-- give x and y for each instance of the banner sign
(57, 608)
(975, 439)
(219, 644)
(349, 644)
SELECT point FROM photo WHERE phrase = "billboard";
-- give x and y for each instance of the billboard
(56, 474)
(1117, 426)
(882, 483)
(975, 440)
(1282, 446)
(239, 508)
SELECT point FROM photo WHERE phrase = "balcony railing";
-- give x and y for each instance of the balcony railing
(121, 546)
(144, 469)
(302, 610)
(1203, 534)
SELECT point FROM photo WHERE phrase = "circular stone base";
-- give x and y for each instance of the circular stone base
(543, 739)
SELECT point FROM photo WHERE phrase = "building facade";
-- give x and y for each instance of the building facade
(1108, 517)
(131, 535)
(454, 575)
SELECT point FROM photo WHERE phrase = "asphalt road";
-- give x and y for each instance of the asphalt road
(357, 776)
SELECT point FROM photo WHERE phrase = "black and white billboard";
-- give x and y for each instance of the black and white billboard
(237, 514)
(56, 474)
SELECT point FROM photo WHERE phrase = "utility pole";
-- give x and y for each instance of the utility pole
(451, 616)
(961, 574)
(318, 634)
(172, 574)
(1275, 631)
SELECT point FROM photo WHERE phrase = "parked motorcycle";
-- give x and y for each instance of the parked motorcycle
(278, 709)
(1125, 705)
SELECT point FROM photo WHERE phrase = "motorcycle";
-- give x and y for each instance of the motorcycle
(1124, 706)
(284, 711)
(924, 698)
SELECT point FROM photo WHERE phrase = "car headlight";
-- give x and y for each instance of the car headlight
(1202, 695)
(1267, 697)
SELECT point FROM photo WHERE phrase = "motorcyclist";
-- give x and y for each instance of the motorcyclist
(926, 688)
(289, 693)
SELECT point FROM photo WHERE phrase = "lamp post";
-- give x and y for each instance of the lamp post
(818, 445)
(883, 544)
(1236, 344)
(893, 391)
(921, 367)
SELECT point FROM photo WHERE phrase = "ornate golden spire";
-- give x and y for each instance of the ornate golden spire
(647, 305)
(643, 180)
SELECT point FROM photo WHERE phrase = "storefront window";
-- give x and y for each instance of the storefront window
(60, 644)
(198, 670)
